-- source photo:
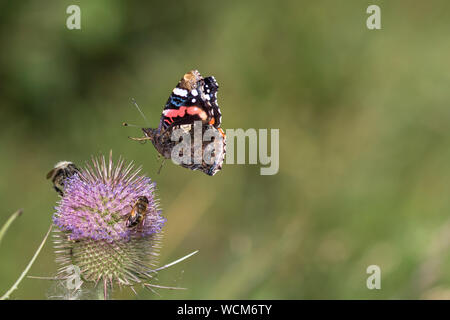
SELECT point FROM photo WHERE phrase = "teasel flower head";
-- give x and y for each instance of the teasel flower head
(93, 236)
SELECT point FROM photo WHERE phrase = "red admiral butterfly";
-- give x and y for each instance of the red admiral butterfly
(194, 99)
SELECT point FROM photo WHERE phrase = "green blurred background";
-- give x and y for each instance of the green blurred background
(364, 143)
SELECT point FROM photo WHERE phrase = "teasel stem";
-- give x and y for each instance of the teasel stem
(101, 290)
(24, 273)
(105, 289)
(9, 222)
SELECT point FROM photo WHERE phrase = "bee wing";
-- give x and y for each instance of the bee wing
(125, 217)
(130, 214)
(50, 174)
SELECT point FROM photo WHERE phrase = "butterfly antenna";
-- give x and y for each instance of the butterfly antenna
(141, 140)
(140, 111)
(126, 124)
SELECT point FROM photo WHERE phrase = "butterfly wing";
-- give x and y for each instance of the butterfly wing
(186, 104)
(210, 89)
(193, 99)
(213, 152)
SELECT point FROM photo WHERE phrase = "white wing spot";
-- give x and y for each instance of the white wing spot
(180, 92)
(194, 92)
(193, 100)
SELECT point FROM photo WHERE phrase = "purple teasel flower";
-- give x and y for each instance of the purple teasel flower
(94, 235)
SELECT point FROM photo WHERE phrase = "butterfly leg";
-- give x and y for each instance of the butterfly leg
(141, 140)
(162, 163)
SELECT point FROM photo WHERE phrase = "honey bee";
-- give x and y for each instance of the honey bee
(138, 212)
(58, 175)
